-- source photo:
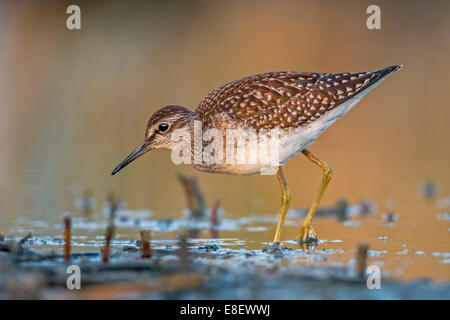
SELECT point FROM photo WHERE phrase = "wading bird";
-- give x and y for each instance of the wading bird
(301, 105)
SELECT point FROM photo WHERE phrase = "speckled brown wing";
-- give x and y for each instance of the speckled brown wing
(285, 99)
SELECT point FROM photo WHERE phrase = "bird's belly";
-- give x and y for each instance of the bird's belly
(240, 169)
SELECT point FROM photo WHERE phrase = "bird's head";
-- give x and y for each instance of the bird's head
(159, 130)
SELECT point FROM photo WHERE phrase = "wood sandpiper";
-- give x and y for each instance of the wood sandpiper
(301, 104)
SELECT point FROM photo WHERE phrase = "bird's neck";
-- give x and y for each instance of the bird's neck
(192, 119)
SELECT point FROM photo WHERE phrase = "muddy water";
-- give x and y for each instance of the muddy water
(73, 104)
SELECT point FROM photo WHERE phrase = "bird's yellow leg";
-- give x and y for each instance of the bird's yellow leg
(307, 233)
(285, 200)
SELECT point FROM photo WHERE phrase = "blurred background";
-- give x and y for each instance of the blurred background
(73, 103)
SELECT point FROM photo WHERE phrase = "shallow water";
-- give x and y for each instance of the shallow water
(398, 257)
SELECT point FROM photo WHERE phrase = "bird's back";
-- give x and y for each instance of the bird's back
(284, 99)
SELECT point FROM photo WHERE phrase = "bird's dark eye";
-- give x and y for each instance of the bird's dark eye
(163, 127)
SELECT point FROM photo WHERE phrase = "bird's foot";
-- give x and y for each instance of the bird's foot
(274, 248)
(307, 235)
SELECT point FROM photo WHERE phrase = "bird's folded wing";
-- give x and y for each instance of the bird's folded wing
(285, 99)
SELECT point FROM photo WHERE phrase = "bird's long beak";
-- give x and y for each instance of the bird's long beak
(136, 153)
